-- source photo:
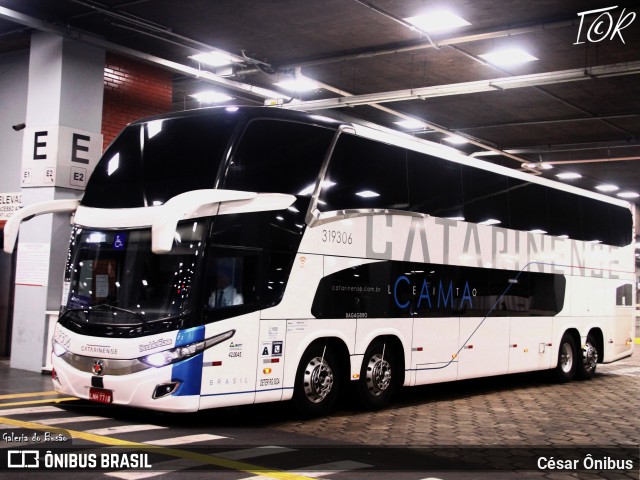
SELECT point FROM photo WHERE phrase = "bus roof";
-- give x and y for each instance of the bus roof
(385, 135)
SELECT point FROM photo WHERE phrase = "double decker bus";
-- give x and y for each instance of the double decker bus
(223, 257)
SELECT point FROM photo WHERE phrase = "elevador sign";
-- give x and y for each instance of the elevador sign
(59, 156)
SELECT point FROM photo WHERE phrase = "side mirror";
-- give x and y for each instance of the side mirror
(12, 227)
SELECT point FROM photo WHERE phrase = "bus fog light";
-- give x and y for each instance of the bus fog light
(165, 389)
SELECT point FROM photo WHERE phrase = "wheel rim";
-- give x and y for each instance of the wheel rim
(566, 358)
(318, 380)
(590, 356)
(378, 375)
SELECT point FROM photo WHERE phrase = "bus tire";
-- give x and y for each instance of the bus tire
(378, 375)
(317, 381)
(588, 359)
(567, 359)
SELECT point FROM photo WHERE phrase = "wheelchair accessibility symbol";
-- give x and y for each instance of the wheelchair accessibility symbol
(118, 241)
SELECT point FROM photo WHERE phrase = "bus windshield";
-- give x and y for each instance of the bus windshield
(151, 162)
(115, 280)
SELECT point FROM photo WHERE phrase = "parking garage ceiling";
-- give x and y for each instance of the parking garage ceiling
(574, 105)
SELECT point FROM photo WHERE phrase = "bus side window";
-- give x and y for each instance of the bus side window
(435, 186)
(225, 277)
(364, 174)
(269, 153)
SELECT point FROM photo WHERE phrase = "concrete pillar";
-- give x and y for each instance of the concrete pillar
(64, 108)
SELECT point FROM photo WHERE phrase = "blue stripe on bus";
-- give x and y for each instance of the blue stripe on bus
(247, 391)
(188, 372)
(190, 335)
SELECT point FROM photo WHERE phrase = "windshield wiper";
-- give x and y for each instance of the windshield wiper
(71, 310)
(109, 306)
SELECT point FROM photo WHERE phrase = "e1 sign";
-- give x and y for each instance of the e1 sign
(59, 156)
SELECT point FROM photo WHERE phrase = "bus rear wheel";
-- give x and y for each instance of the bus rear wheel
(589, 357)
(378, 376)
(316, 387)
(567, 359)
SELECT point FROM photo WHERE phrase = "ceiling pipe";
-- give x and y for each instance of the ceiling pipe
(77, 35)
(431, 126)
(491, 85)
(413, 46)
(399, 20)
(579, 147)
(591, 160)
(548, 121)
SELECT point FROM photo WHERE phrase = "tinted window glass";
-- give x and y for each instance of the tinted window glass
(485, 196)
(621, 226)
(401, 289)
(528, 206)
(116, 182)
(564, 214)
(278, 156)
(249, 258)
(365, 174)
(435, 185)
(158, 160)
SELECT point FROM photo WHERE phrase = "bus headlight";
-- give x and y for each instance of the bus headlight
(173, 355)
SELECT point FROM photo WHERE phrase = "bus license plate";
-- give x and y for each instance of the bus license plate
(101, 395)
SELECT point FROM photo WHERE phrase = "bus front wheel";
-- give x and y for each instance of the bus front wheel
(567, 359)
(377, 376)
(316, 387)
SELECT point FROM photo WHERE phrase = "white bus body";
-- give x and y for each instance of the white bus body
(466, 270)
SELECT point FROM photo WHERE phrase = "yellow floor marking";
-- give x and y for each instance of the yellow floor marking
(30, 394)
(637, 341)
(172, 452)
(35, 402)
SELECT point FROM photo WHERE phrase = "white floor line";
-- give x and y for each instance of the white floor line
(65, 420)
(28, 410)
(159, 468)
(124, 429)
(253, 452)
(178, 441)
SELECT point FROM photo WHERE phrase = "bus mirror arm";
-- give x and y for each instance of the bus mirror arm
(205, 203)
(193, 204)
(12, 227)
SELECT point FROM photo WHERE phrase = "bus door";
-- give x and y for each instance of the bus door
(270, 364)
(229, 373)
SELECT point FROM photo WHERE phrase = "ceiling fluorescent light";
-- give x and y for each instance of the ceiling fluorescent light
(437, 21)
(367, 194)
(568, 176)
(298, 85)
(607, 188)
(490, 221)
(411, 124)
(628, 195)
(213, 59)
(456, 140)
(211, 96)
(509, 56)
